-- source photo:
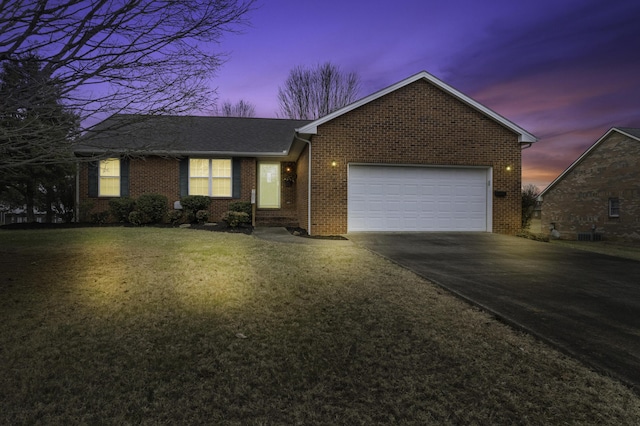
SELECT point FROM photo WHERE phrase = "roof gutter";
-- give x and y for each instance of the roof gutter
(284, 153)
(308, 142)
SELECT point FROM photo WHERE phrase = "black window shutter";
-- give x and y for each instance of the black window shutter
(236, 180)
(124, 177)
(92, 177)
(184, 177)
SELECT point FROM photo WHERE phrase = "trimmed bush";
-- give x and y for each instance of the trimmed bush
(175, 216)
(136, 218)
(241, 206)
(121, 207)
(202, 216)
(100, 218)
(234, 219)
(153, 207)
(191, 204)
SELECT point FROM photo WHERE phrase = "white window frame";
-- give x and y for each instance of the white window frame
(614, 207)
(211, 178)
(102, 177)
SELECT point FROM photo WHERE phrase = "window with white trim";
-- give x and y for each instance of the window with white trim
(614, 207)
(211, 177)
(109, 177)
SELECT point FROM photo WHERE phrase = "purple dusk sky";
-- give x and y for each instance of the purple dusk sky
(566, 71)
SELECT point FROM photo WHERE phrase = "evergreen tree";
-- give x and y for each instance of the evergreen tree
(31, 102)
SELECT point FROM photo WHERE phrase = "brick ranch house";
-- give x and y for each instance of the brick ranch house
(416, 156)
(599, 192)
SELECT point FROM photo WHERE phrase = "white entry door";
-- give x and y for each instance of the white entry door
(403, 198)
(268, 185)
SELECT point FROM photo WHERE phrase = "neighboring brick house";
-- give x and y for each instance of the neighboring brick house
(600, 192)
(416, 156)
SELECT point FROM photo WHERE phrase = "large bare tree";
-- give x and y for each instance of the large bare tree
(117, 56)
(311, 93)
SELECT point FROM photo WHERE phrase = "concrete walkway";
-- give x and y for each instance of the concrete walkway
(584, 303)
(281, 235)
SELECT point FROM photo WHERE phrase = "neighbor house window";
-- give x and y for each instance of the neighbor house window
(109, 178)
(210, 177)
(614, 207)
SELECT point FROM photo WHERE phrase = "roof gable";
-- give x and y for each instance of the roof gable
(523, 135)
(627, 131)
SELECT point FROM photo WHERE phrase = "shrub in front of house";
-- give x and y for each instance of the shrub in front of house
(85, 208)
(191, 204)
(135, 218)
(175, 217)
(202, 216)
(241, 206)
(100, 218)
(121, 207)
(234, 219)
(153, 207)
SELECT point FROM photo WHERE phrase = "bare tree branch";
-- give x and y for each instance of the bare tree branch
(311, 93)
(118, 56)
(239, 109)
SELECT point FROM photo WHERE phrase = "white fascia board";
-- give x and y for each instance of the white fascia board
(583, 156)
(523, 135)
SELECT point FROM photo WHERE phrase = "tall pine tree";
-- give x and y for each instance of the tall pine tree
(34, 123)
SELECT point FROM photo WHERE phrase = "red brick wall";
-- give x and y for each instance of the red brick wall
(417, 124)
(156, 175)
(581, 199)
(302, 188)
(287, 193)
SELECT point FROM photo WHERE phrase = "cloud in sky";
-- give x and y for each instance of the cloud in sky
(567, 75)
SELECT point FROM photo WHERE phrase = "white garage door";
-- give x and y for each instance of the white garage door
(399, 198)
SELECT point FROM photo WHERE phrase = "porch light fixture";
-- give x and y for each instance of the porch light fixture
(334, 163)
(508, 168)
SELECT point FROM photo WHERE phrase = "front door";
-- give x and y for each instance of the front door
(268, 185)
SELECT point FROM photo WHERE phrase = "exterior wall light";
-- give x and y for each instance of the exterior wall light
(508, 168)
(334, 163)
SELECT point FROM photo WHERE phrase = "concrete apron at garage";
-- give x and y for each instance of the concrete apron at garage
(586, 304)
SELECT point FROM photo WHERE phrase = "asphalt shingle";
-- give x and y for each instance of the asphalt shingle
(190, 135)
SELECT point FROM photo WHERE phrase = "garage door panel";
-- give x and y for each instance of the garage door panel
(417, 199)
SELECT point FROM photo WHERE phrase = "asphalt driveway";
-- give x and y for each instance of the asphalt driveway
(586, 304)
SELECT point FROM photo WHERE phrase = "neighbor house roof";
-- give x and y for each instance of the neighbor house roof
(627, 131)
(190, 135)
(523, 135)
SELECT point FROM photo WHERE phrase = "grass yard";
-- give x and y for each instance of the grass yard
(155, 326)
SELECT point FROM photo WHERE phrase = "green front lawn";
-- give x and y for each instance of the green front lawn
(148, 325)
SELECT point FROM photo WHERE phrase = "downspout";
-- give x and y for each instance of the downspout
(308, 142)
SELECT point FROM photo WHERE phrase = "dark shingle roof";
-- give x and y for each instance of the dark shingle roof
(190, 135)
(631, 131)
